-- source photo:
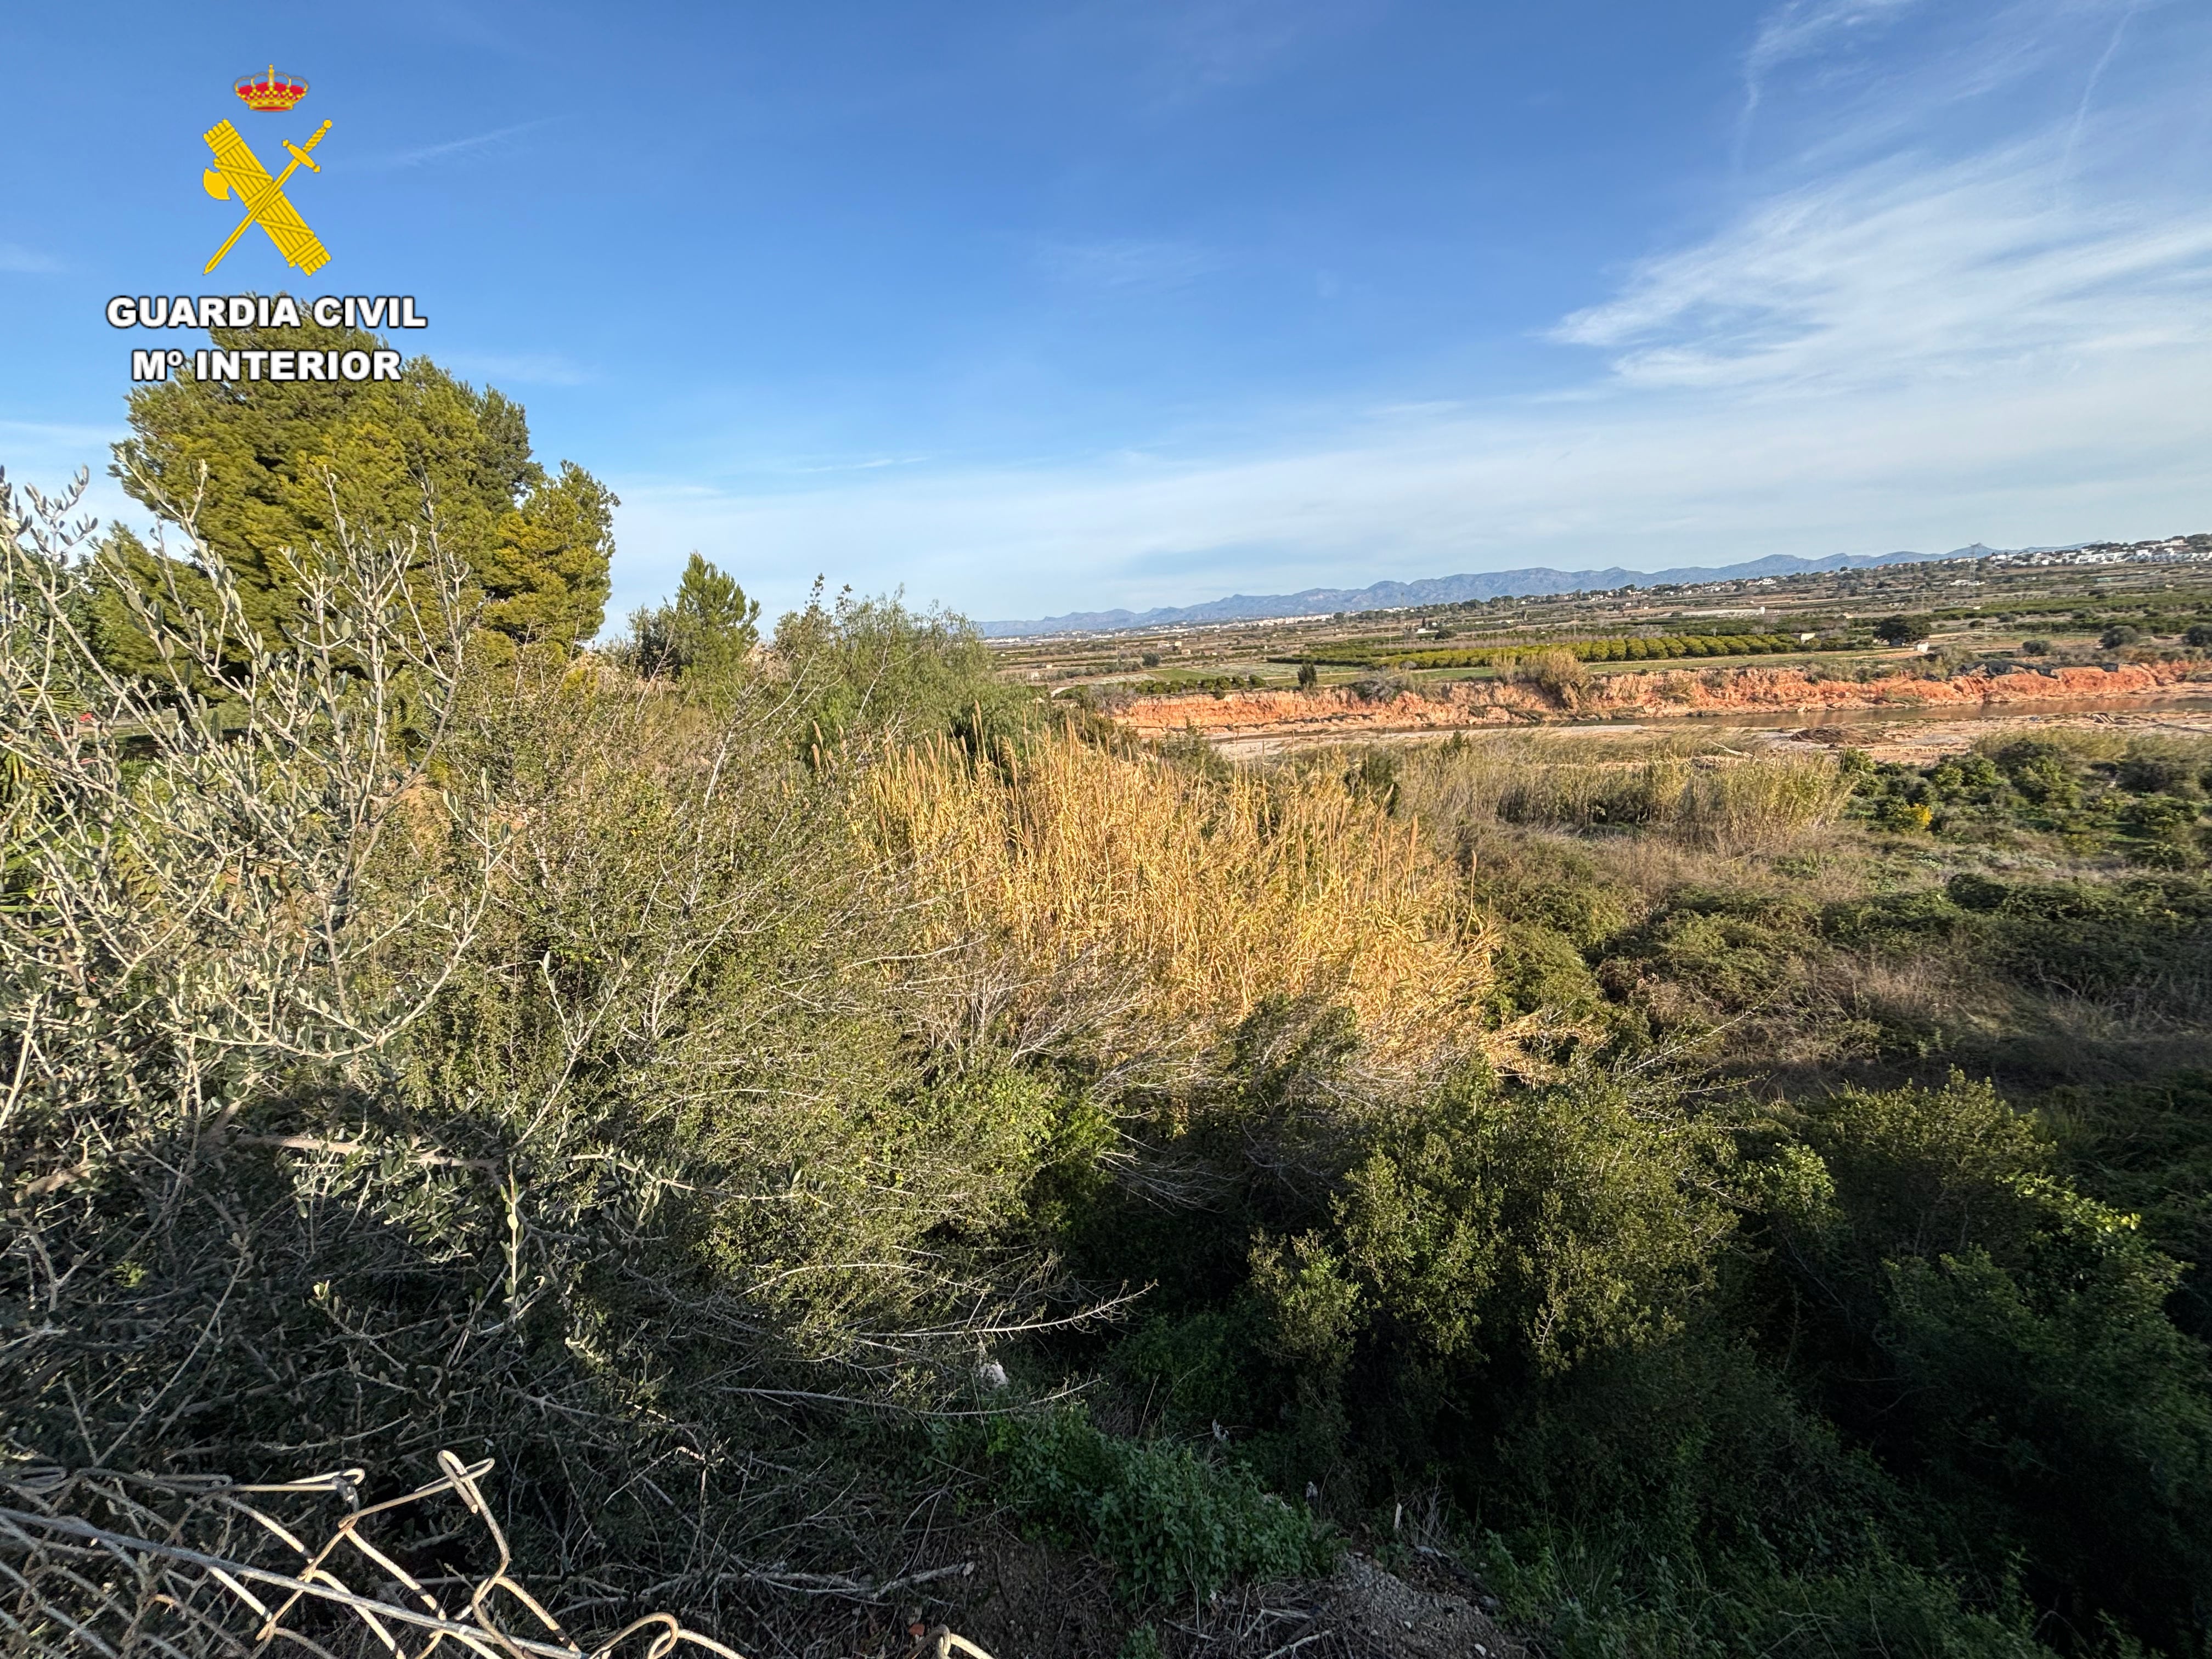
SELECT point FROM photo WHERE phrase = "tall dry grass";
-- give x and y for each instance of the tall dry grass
(1719, 802)
(1145, 908)
(1765, 805)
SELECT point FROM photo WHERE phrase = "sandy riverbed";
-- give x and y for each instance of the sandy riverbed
(1887, 735)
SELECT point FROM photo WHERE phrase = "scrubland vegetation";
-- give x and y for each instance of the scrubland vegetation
(1848, 624)
(815, 1112)
(1652, 648)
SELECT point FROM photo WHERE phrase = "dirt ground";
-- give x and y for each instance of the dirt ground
(1019, 1599)
(1251, 722)
(1912, 738)
(1023, 1609)
(1919, 742)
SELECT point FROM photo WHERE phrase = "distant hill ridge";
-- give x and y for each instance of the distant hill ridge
(1455, 590)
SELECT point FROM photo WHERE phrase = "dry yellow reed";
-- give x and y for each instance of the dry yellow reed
(1207, 895)
(1724, 801)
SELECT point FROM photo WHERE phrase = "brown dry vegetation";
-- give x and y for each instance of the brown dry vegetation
(1148, 908)
(1723, 897)
(1697, 790)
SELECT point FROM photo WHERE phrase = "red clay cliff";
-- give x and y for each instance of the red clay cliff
(1657, 695)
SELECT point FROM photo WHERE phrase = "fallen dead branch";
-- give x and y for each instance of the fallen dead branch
(96, 1562)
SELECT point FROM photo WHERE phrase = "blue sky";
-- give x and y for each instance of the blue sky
(1030, 307)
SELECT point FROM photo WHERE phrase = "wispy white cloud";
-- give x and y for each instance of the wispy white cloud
(1801, 29)
(1892, 274)
(1127, 263)
(450, 148)
(866, 463)
(2089, 88)
(25, 261)
(1642, 480)
(1905, 243)
(1830, 83)
(1205, 45)
(1897, 334)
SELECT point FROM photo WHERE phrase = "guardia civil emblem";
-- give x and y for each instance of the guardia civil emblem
(238, 173)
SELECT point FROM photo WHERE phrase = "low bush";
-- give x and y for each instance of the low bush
(2141, 799)
(2003, 1337)
(1380, 688)
(1557, 672)
(1174, 1525)
(1600, 1593)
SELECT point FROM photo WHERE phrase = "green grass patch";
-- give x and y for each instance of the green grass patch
(1174, 1524)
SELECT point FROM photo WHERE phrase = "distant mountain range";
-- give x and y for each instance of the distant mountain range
(1454, 590)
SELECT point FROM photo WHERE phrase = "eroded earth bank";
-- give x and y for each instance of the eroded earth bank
(1386, 707)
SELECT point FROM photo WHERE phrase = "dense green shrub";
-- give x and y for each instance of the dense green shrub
(1175, 1526)
(526, 1078)
(2141, 799)
(2002, 1339)
(1527, 1229)
(2147, 772)
(2146, 1149)
(864, 668)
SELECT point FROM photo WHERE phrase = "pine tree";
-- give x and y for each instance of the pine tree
(285, 461)
(708, 629)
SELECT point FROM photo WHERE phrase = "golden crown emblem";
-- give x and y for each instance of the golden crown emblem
(278, 92)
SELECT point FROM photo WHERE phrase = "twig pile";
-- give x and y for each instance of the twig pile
(95, 1562)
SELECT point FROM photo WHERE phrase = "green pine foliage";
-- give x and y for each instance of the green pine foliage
(266, 470)
(708, 629)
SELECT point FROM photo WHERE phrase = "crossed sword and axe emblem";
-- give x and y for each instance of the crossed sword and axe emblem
(238, 172)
